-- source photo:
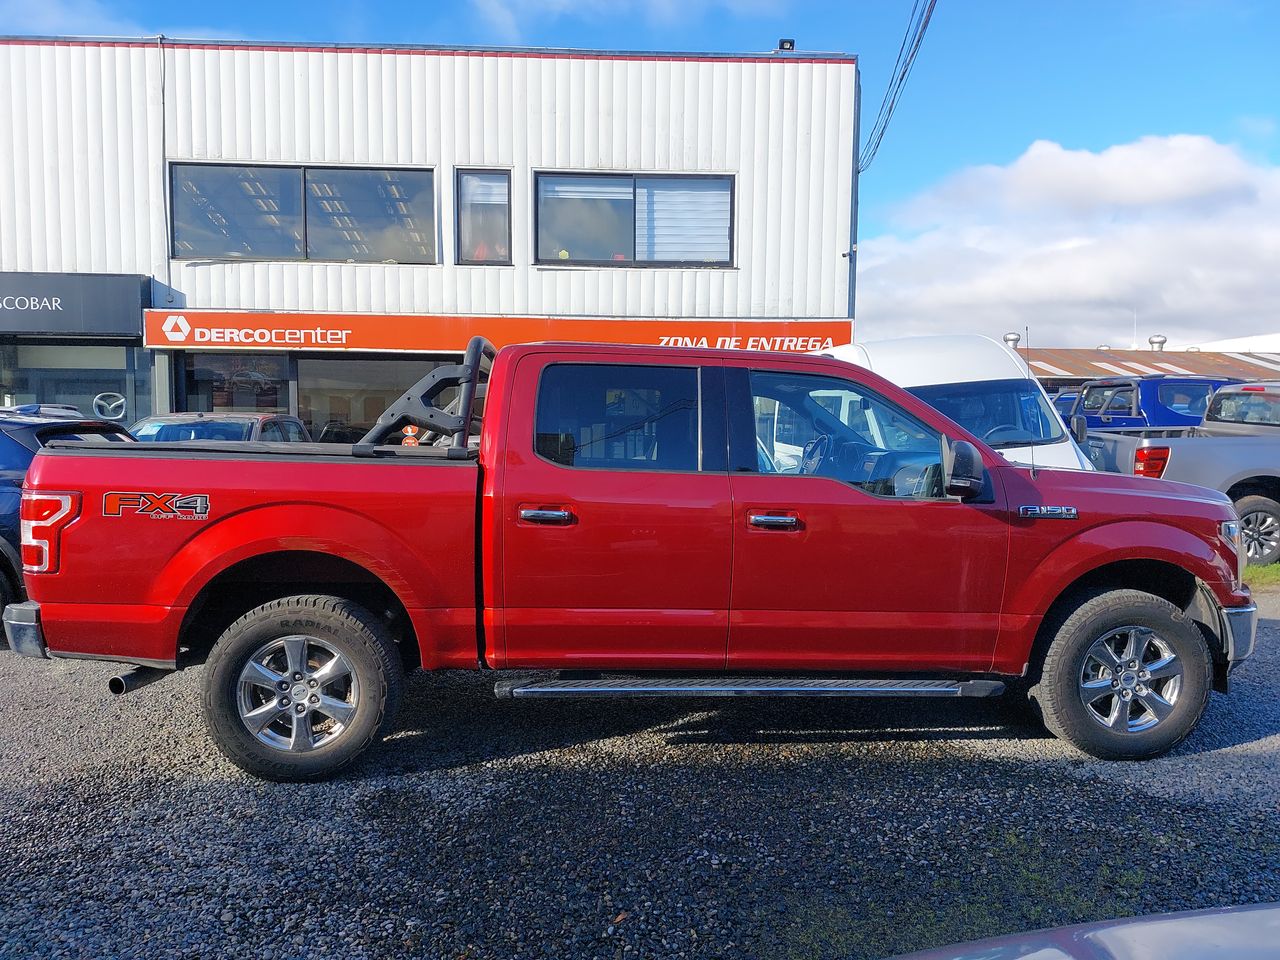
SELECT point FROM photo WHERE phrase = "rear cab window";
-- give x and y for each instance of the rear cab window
(1245, 406)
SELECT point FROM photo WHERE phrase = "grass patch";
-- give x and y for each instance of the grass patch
(1263, 578)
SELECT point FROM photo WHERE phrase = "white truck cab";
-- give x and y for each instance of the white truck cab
(980, 384)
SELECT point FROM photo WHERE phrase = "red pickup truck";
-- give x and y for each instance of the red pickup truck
(626, 524)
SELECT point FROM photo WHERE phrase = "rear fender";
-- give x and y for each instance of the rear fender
(271, 529)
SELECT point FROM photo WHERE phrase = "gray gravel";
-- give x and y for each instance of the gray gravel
(803, 829)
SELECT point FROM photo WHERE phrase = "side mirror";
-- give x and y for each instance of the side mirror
(963, 475)
(1079, 428)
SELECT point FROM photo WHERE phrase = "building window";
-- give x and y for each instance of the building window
(618, 417)
(295, 213)
(484, 217)
(243, 382)
(250, 213)
(605, 219)
(371, 216)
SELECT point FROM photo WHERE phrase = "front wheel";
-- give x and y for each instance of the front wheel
(297, 688)
(1260, 529)
(1126, 677)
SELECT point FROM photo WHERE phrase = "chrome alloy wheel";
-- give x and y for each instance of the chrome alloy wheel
(297, 693)
(1130, 680)
(1261, 534)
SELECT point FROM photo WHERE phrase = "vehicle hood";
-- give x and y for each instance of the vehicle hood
(1230, 933)
(1124, 493)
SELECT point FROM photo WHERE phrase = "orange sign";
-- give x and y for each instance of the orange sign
(404, 333)
(409, 430)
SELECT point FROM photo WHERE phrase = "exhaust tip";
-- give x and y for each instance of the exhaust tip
(117, 685)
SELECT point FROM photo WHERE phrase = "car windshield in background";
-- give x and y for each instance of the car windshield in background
(194, 430)
(1246, 406)
(1004, 413)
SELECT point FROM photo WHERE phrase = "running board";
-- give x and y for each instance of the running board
(744, 687)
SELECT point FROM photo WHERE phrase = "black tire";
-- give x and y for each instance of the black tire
(1260, 523)
(7, 594)
(1059, 691)
(374, 682)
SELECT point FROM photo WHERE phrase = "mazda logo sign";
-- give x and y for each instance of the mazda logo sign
(110, 406)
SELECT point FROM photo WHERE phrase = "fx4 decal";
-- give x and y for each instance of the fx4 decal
(1049, 513)
(157, 506)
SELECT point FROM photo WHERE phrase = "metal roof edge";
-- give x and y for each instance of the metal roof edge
(768, 56)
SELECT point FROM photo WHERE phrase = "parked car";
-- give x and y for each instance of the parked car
(1243, 410)
(1249, 932)
(980, 384)
(1143, 403)
(23, 431)
(1235, 450)
(616, 522)
(272, 427)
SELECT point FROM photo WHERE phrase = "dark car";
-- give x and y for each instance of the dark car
(221, 426)
(23, 431)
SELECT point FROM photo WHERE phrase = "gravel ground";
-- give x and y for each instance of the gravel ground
(801, 829)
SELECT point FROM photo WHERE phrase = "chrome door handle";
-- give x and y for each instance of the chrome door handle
(546, 516)
(772, 523)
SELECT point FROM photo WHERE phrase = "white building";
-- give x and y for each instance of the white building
(314, 214)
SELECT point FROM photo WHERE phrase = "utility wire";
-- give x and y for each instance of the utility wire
(921, 13)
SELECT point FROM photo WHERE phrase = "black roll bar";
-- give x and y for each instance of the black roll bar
(419, 407)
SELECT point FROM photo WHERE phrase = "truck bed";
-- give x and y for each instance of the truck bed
(158, 522)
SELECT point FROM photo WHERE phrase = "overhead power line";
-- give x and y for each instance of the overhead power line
(921, 13)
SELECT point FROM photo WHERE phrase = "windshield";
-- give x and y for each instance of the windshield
(159, 431)
(1004, 413)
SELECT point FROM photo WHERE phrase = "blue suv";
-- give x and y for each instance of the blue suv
(23, 431)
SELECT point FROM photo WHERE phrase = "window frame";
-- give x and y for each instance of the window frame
(740, 411)
(301, 169)
(713, 441)
(633, 263)
(458, 258)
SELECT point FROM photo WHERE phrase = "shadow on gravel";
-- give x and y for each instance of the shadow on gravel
(453, 721)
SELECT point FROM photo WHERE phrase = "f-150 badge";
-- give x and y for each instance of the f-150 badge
(1049, 513)
(157, 506)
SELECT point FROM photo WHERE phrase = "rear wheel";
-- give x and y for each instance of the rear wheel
(1127, 676)
(297, 688)
(1260, 529)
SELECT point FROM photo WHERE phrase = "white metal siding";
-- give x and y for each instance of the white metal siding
(83, 176)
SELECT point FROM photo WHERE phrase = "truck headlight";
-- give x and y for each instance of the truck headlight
(1231, 532)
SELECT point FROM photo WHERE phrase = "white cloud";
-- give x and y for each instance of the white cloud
(508, 18)
(1183, 229)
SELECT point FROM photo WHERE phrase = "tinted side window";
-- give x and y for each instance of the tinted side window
(271, 431)
(1093, 398)
(1188, 398)
(618, 417)
(821, 426)
(1121, 402)
(292, 431)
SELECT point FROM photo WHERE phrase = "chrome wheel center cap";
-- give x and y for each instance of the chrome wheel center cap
(299, 693)
(1128, 679)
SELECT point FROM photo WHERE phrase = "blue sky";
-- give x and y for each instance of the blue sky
(993, 78)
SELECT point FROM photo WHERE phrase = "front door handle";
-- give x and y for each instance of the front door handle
(768, 522)
(546, 516)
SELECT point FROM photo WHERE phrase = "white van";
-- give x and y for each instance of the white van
(980, 384)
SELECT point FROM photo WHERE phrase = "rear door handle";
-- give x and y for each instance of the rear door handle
(768, 522)
(546, 516)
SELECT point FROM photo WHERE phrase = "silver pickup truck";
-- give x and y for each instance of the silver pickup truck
(1236, 450)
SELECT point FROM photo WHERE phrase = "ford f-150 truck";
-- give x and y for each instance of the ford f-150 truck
(616, 528)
